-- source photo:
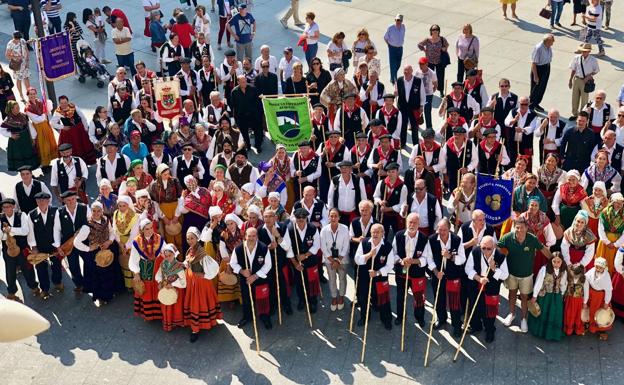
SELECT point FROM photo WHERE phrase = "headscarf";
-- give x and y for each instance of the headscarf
(141, 194)
(105, 182)
(234, 218)
(97, 205)
(188, 179)
(600, 262)
(127, 200)
(195, 231)
(248, 187)
(161, 168)
(144, 223)
(583, 238)
(132, 180)
(253, 209)
(601, 186)
(213, 211)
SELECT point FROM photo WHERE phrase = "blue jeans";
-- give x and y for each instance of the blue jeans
(395, 55)
(311, 53)
(557, 9)
(127, 61)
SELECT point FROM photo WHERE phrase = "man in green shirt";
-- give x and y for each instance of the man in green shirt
(521, 247)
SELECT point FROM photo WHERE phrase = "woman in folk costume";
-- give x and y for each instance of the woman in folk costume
(171, 274)
(567, 200)
(573, 301)
(21, 134)
(201, 307)
(130, 189)
(247, 200)
(222, 200)
(46, 141)
(550, 286)
(125, 229)
(578, 242)
(539, 225)
(107, 198)
(594, 204)
(72, 125)
(96, 235)
(274, 203)
(519, 172)
(281, 162)
(618, 284)
(270, 181)
(165, 190)
(146, 209)
(226, 239)
(333, 95)
(137, 172)
(254, 218)
(601, 171)
(521, 198)
(610, 230)
(145, 260)
(461, 203)
(597, 293)
(220, 176)
(549, 177)
(194, 204)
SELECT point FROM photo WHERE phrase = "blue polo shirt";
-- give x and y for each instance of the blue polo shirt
(243, 26)
(130, 153)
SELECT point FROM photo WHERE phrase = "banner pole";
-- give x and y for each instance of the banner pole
(36, 10)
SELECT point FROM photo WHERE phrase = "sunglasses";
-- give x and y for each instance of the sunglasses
(620, 115)
(187, 149)
(265, 66)
(504, 86)
(524, 104)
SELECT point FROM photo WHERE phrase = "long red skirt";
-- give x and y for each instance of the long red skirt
(540, 259)
(201, 308)
(147, 306)
(81, 145)
(572, 315)
(173, 315)
(617, 300)
(596, 300)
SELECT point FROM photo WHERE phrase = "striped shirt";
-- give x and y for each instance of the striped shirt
(541, 54)
(53, 3)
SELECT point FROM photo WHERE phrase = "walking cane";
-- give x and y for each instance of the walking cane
(384, 199)
(354, 302)
(470, 318)
(496, 173)
(300, 169)
(253, 310)
(409, 253)
(279, 294)
(305, 292)
(434, 316)
(370, 288)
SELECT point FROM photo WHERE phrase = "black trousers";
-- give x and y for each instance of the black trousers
(441, 305)
(385, 312)
(43, 273)
(407, 116)
(21, 22)
(479, 319)
(73, 260)
(283, 286)
(249, 123)
(539, 89)
(419, 312)
(247, 301)
(461, 70)
(11, 264)
(55, 25)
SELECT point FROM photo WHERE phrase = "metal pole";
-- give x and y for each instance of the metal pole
(36, 10)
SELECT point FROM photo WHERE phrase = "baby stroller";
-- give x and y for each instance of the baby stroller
(96, 71)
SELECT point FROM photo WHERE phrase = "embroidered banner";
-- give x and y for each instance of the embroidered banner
(168, 100)
(288, 120)
(494, 198)
(56, 55)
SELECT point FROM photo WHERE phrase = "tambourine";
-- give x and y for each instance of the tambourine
(534, 309)
(168, 296)
(104, 258)
(227, 278)
(139, 287)
(604, 318)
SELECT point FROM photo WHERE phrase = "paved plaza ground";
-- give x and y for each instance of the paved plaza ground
(87, 345)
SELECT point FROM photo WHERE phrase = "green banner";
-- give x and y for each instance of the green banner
(288, 120)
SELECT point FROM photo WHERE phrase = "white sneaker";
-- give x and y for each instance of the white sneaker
(507, 321)
(333, 307)
(340, 306)
(284, 23)
(524, 325)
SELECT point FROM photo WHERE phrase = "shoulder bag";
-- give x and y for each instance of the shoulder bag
(471, 61)
(590, 85)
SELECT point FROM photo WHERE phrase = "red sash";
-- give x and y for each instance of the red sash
(262, 298)
(382, 289)
(314, 285)
(419, 286)
(453, 288)
(491, 306)
(287, 278)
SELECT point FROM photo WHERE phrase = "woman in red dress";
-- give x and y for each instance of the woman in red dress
(171, 274)
(201, 308)
(72, 125)
(594, 204)
(221, 199)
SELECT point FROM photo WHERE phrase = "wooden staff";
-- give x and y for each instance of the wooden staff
(279, 300)
(471, 314)
(300, 169)
(409, 253)
(289, 95)
(342, 114)
(384, 199)
(370, 288)
(516, 118)
(434, 316)
(463, 163)
(305, 292)
(444, 102)
(498, 160)
(353, 303)
(253, 310)
(545, 127)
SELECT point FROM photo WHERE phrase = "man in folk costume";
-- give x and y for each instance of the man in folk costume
(209, 80)
(452, 121)
(429, 150)
(601, 114)
(276, 237)
(73, 128)
(145, 260)
(156, 158)
(42, 240)
(382, 156)
(92, 237)
(15, 224)
(473, 86)
(26, 190)
(320, 125)
(306, 165)
(199, 49)
(112, 166)
(228, 73)
(486, 258)
(458, 156)
(375, 260)
(473, 231)
(359, 157)
(465, 105)
(502, 102)
(391, 118)
(614, 151)
(390, 197)
(331, 153)
(242, 171)
(189, 82)
(350, 119)
(68, 172)
(491, 153)
(521, 123)
(550, 132)
(225, 133)
(461, 202)
(189, 114)
(371, 94)
(360, 227)
(142, 74)
(222, 160)
(136, 122)
(121, 104)
(376, 130)
(314, 206)
(346, 190)
(69, 219)
(214, 110)
(187, 164)
(445, 258)
(426, 205)
(408, 247)
(483, 123)
(411, 99)
(306, 244)
(120, 79)
(253, 262)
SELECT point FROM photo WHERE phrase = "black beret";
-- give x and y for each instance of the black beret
(428, 133)
(7, 201)
(345, 163)
(305, 143)
(42, 195)
(65, 147)
(392, 166)
(109, 142)
(241, 151)
(68, 193)
(459, 130)
(230, 52)
(25, 168)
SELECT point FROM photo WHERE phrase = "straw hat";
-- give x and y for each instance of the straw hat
(37, 258)
(168, 296)
(604, 318)
(534, 309)
(227, 278)
(104, 258)
(173, 228)
(584, 47)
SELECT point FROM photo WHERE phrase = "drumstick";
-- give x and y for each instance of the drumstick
(353, 303)
(279, 300)
(470, 318)
(434, 315)
(253, 310)
(305, 292)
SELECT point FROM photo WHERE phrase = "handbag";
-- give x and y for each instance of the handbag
(590, 85)
(346, 57)
(546, 12)
(470, 62)
(445, 58)
(15, 64)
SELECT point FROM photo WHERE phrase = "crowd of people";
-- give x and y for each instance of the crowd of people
(186, 222)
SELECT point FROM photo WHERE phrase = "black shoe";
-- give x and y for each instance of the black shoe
(474, 330)
(361, 322)
(267, 323)
(300, 305)
(457, 332)
(398, 321)
(438, 325)
(312, 308)
(489, 337)
(539, 108)
(242, 322)
(288, 309)
(558, 25)
(421, 322)
(388, 325)
(194, 337)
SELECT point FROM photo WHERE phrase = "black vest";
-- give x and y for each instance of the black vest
(263, 237)
(488, 165)
(357, 228)
(468, 234)
(493, 286)
(380, 91)
(391, 124)
(305, 244)
(100, 129)
(120, 168)
(414, 100)
(27, 203)
(183, 170)
(208, 84)
(606, 113)
(69, 228)
(356, 187)
(502, 110)
(22, 240)
(363, 163)
(151, 163)
(527, 140)
(432, 201)
(376, 262)
(62, 178)
(317, 210)
(171, 52)
(240, 177)
(121, 109)
(338, 157)
(258, 261)
(310, 168)
(421, 242)
(198, 52)
(452, 271)
(476, 94)
(183, 85)
(454, 162)
(44, 234)
(435, 157)
(464, 111)
(353, 123)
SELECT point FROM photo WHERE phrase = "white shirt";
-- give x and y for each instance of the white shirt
(378, 196)
(340, 238)
(593, 11)
(189, 82)
(588, 256)
(390, 259)
(373, 95)
(83, 234)
(460, 257)
(316, 240)
(465, 213)
(600, 283)
(70, 170)
(21, 231)
(410, 247)
(273, 64)
(423, 209)
(527, 128)
(358, 110)
(32, 242)
(110, 167)
(251, 256)
(363, 227)
(311, 30)
(590, 64)
(598, 115)
(551, 133)
(157, 160)
(304, 163)
(346, 194)
(427, 79)
(427, 154)
(57, 232)
(474, 162)
(501, 273)
(203, 25)
(286, 66)
(57, 124)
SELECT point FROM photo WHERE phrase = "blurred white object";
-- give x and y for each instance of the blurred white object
(19, 321)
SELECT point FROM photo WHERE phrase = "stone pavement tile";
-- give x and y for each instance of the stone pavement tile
(60, 374)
